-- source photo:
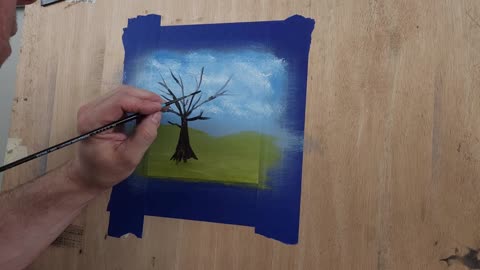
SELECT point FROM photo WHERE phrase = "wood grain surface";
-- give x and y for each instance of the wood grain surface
(392, 142)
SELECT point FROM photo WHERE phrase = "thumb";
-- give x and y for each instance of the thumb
(143, 137)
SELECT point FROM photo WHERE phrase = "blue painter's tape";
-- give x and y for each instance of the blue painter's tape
(274, 211)
(129, 198)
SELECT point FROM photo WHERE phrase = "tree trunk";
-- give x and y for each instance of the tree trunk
(184, 151)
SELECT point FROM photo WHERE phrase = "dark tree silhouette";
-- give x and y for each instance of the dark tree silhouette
(184, 109)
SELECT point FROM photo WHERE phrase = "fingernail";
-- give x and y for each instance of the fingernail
(157, 117)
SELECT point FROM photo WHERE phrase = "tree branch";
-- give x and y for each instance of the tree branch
(173, 111)
(190, 110)
(179, 81)
(164, 92)
(181, 85)
(174, 78)
(220, 92)
(190, 102)
(174, 124)
(165, 98)
(198, 117)
(164, 84)
(199, 84)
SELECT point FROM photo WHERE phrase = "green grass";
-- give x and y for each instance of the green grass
(242, 158)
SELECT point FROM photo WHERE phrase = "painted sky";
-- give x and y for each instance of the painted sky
(256, 93)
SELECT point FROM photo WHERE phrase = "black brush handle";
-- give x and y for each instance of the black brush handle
(71, 141)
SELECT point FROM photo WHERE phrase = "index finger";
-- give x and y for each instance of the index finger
(112, 108)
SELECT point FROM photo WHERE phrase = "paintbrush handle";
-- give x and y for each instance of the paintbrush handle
(71, 141)
(85, 136)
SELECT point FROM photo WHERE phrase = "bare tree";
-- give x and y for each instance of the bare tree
(185, 109)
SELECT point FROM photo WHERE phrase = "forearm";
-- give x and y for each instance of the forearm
(34, 214)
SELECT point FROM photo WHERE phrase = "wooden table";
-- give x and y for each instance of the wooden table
(392, 142)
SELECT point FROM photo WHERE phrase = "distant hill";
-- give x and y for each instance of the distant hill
(241, 158)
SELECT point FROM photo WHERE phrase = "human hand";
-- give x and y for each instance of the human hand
(107, 158)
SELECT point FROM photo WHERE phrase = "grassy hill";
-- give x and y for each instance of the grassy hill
(242, 158)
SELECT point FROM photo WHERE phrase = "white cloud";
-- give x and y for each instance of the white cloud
(289, 141)
(253, 92)
(211, 109)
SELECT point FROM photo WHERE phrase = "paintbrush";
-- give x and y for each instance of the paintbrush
(87, 135)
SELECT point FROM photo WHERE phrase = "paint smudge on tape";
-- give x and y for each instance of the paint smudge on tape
(72, 237)
(15, 150)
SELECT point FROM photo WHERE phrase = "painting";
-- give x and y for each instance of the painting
(227, 129)
(231, 152)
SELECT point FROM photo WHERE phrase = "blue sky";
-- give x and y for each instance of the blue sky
(257, 92)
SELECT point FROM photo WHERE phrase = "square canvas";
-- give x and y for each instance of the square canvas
(232, 151)
(228, 133)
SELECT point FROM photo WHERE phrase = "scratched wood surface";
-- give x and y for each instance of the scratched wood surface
(392, 143)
